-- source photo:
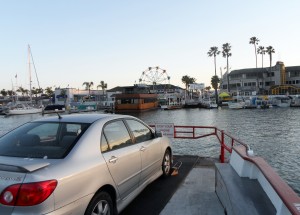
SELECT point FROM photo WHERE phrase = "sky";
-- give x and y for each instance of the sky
(77, 41)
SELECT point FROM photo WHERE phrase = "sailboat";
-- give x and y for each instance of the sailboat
(25, 108)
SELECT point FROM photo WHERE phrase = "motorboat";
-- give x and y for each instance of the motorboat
(237, 104)
(281, 101)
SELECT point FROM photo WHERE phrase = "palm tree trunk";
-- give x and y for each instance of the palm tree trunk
(216, 90)
(228, 89)
(255, 55)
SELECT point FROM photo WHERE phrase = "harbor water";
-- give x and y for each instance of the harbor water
(273, 134)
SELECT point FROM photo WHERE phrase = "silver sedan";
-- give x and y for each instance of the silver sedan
(79, 164)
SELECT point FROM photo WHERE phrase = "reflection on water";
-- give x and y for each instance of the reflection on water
(273, 133)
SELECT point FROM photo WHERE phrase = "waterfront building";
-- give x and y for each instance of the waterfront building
(67, 96)
(276, 80)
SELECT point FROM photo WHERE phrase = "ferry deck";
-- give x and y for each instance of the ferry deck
(241, 184)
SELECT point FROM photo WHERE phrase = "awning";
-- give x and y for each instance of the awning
(224, 94)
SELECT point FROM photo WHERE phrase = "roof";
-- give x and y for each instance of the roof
(250, 70)
(80, 118)
(292, 68)
(156, 87)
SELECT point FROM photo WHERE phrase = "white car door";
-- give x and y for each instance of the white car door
(122, 157)
(150, 147)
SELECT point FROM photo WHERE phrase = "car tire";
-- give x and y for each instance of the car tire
(100, 204)
(167, 163)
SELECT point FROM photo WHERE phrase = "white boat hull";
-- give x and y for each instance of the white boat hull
(238, 105)
(24, 111)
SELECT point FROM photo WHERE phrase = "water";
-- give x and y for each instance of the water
(273, 133)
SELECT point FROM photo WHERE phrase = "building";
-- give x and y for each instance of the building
(276, 80)
(67, 96)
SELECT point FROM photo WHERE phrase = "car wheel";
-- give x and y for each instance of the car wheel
(166, 165)
(101, 204)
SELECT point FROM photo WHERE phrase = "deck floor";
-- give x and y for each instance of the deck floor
(196, 195)
(190, 192)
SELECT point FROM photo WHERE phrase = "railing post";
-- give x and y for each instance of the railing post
(222, 156)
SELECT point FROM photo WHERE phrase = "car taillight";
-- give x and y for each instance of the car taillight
(27, 194)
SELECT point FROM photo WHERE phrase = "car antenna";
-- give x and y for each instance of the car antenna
(59, 116)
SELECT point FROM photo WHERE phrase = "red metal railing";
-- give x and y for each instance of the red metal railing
(226, 140)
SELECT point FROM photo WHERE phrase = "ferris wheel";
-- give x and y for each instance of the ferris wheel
(154, 76)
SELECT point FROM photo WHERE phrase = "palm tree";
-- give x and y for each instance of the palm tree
(208, 88)
(11, 93)
(103, 86)
(226, 53)
(214, 52)
(261, 50)
(254, 41)
(49, 91)
(21, 90)
(63, 93)
(270, 50)
(88, 86)
(3, 92)
(187, 80)
(215, 83)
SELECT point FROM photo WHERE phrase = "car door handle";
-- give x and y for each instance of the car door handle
(113, 159)
(143, 148)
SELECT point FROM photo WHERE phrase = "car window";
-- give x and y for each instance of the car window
(140, 131)
(117, 135)
(48, 140)
(45, 131)
(104, 144)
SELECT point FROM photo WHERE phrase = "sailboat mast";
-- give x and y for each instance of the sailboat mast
(29, 69)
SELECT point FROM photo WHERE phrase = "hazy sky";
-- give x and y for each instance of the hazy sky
(115, 41)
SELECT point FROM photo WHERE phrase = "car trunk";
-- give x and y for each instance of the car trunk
(13, 171)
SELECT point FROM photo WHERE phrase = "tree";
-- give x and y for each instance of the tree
(215, 84)
(261, 50)
(21, 90)
(270, 50)
(208, 88)
(103, 86)
(254, 41)
(88, 86)
(213, 52)
(63, 94)
(4, 92)
(11, 93)
(226, 53)
(49, 91)
(187, 80)
(36, 91)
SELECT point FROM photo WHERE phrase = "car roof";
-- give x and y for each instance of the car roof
(82, 118)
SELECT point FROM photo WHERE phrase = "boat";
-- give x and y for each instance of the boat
(280, 101)
(237, 103)
(53, 108)
(263, 103)
(23, 108)
(208, 103)
(85, 106)
(237, 182)
(19, 108)
(135, 102)
(3, 109)
(171, 102)
(295, 102)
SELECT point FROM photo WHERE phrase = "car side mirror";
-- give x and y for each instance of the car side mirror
(158, 134)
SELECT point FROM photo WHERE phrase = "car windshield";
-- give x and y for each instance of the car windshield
(47, 140)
